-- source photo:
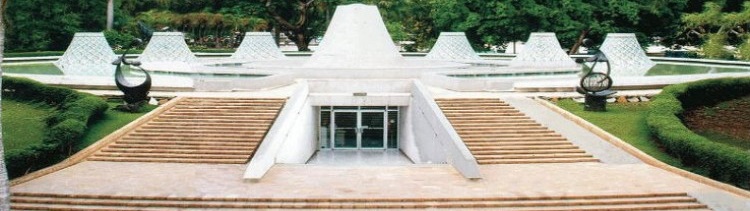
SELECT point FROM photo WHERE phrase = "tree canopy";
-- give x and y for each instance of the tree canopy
(486, 22)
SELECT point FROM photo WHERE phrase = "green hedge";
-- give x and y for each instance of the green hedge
(718, 161)
(65, 127)
(33, 54)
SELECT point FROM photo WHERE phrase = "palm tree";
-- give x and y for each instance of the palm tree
(110, 13)
(4, 188)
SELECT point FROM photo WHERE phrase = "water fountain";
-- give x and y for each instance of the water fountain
(88, 54)
(626, 55)
(258, 46)
(452, 46)
(543, 51)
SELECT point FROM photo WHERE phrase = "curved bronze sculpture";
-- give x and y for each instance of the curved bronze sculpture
(135, 95)
(595, 85)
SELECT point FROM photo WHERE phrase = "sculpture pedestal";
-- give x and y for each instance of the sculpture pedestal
(596, 101)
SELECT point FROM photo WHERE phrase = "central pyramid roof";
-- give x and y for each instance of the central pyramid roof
(356, 37)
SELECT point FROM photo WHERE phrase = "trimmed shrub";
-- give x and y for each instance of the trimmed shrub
(718, 161)
(65, 127)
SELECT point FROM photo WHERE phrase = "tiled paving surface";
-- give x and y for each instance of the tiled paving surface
(316, 181)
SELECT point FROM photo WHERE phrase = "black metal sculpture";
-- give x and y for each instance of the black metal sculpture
(595, 86)
(135, 95)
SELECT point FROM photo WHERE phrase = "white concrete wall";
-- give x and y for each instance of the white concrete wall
(435, 137)
(232, 84)
(301, 142)
(266, 154)
(406, 141)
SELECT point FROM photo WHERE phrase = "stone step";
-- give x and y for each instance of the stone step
(533, 156)
(210, 117)
(223, 113)
(209, 124)
(248, 147)
(225, 151)
(526, 131)
(208, 99)
(203, 130)
(531, 161)
(526, 151)
(172, 155)
(497, 121)
(500, 127)
(167, 160)
(522, 147)
(257, 110)
(31, 201)
(482, 111)
(150, 126)
(200, 133)
(207, 139)
(515, 143)
(234, 107)
(468, 126)
(202, 121)
(187, 143)
(515, 139)
(545, 134)
(482, 116)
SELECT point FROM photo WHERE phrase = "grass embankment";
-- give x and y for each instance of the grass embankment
(23, 124)
(627, 122)
(109, 122)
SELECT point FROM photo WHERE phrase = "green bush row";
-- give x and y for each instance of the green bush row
(721, 162)
(33, 54)
(64, 128)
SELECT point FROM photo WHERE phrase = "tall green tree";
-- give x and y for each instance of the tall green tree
(4, 183)
(32, 27)
(499, 21)
(716, 28)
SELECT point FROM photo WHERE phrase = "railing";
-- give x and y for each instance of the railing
(444, 135)
(265, 155)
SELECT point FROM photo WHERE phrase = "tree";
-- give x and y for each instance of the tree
(293, 19)
(4, 183)
(32, 27)
(110, 13)
(715, 28)
(500, 21)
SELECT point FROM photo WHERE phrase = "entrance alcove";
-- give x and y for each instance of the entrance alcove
(361, 122)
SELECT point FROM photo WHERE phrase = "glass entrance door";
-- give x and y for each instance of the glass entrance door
(372, 129)
(359, 130)
(358, 127)
(346, 129)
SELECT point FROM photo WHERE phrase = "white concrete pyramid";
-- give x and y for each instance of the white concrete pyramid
(258, 46)
(542, 50)
(167, 47)
(356, 38)
(88, 54)
(452, 46)
(625, 55)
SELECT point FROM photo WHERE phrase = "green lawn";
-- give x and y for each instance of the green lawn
(23, 124)
(111, 121)
(41, 68)
(627, 122)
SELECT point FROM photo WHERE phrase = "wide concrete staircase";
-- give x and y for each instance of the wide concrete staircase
(198, 130)
(654, 201)
(497, 133)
